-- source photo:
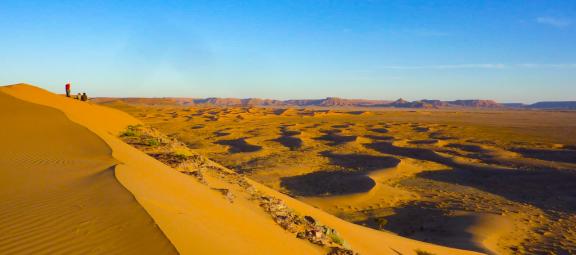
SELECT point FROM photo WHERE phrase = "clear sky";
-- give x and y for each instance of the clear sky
(511, 51)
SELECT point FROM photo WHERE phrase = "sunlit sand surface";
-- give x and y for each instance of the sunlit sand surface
(73, 183)
(492, 181)
(58, 191)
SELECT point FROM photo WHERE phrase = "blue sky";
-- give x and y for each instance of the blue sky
(511, 51)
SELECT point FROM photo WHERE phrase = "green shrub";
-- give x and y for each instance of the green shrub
(131, 130)
(181, 153)
(421, 252)
(128, 133)
(381, 222)
(333, 235)
(152, 142)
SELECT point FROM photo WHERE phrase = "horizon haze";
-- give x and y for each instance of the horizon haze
(508, 51)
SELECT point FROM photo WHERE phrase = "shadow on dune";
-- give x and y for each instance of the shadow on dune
(330, 131)
(416, 153)
(361, 162)
(334, 139)
(548, 155)
(424, 154)
(220, 133)
(380, 137)
(440, 136)
(429, 225)
(239, 145)
(325, 183)
(427, 141)
(379, 130)
(466, 147)
(546, 189)
(292, 143)
(290, 132)
(421, 129)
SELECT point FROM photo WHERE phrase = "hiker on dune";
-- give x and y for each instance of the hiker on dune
(67, 89)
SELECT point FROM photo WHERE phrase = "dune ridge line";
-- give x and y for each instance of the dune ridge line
(195, 218)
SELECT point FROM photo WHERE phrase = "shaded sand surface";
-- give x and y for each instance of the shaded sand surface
(58, 193)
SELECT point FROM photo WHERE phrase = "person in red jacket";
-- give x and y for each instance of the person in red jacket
(68, 89)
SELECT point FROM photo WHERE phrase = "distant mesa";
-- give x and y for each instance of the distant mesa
(554, 105)
(401, 103)
(549, 105)
(336, 102)
(476, 103)
(146, 101)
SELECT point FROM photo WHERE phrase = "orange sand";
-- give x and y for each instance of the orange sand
(59, 196)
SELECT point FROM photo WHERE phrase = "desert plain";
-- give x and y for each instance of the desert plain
(496, 181)
(111, 177)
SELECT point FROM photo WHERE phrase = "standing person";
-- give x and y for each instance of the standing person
(67, 89)
(84, 97)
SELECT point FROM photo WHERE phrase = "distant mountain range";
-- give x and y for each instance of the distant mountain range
(567, 105)
(336, 102)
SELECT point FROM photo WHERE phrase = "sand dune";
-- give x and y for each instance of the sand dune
(59, 194)
(474, 170)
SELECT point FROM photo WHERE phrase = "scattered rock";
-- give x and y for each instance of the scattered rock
(177, 155)
(341, 251)
(310, 220)
(227, 194)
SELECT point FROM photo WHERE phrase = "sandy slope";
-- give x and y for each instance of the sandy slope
(195, 219)
(58, 193)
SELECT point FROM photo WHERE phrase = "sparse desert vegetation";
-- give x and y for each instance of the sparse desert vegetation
(175, 154)
(498, 181)
(288, 127)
